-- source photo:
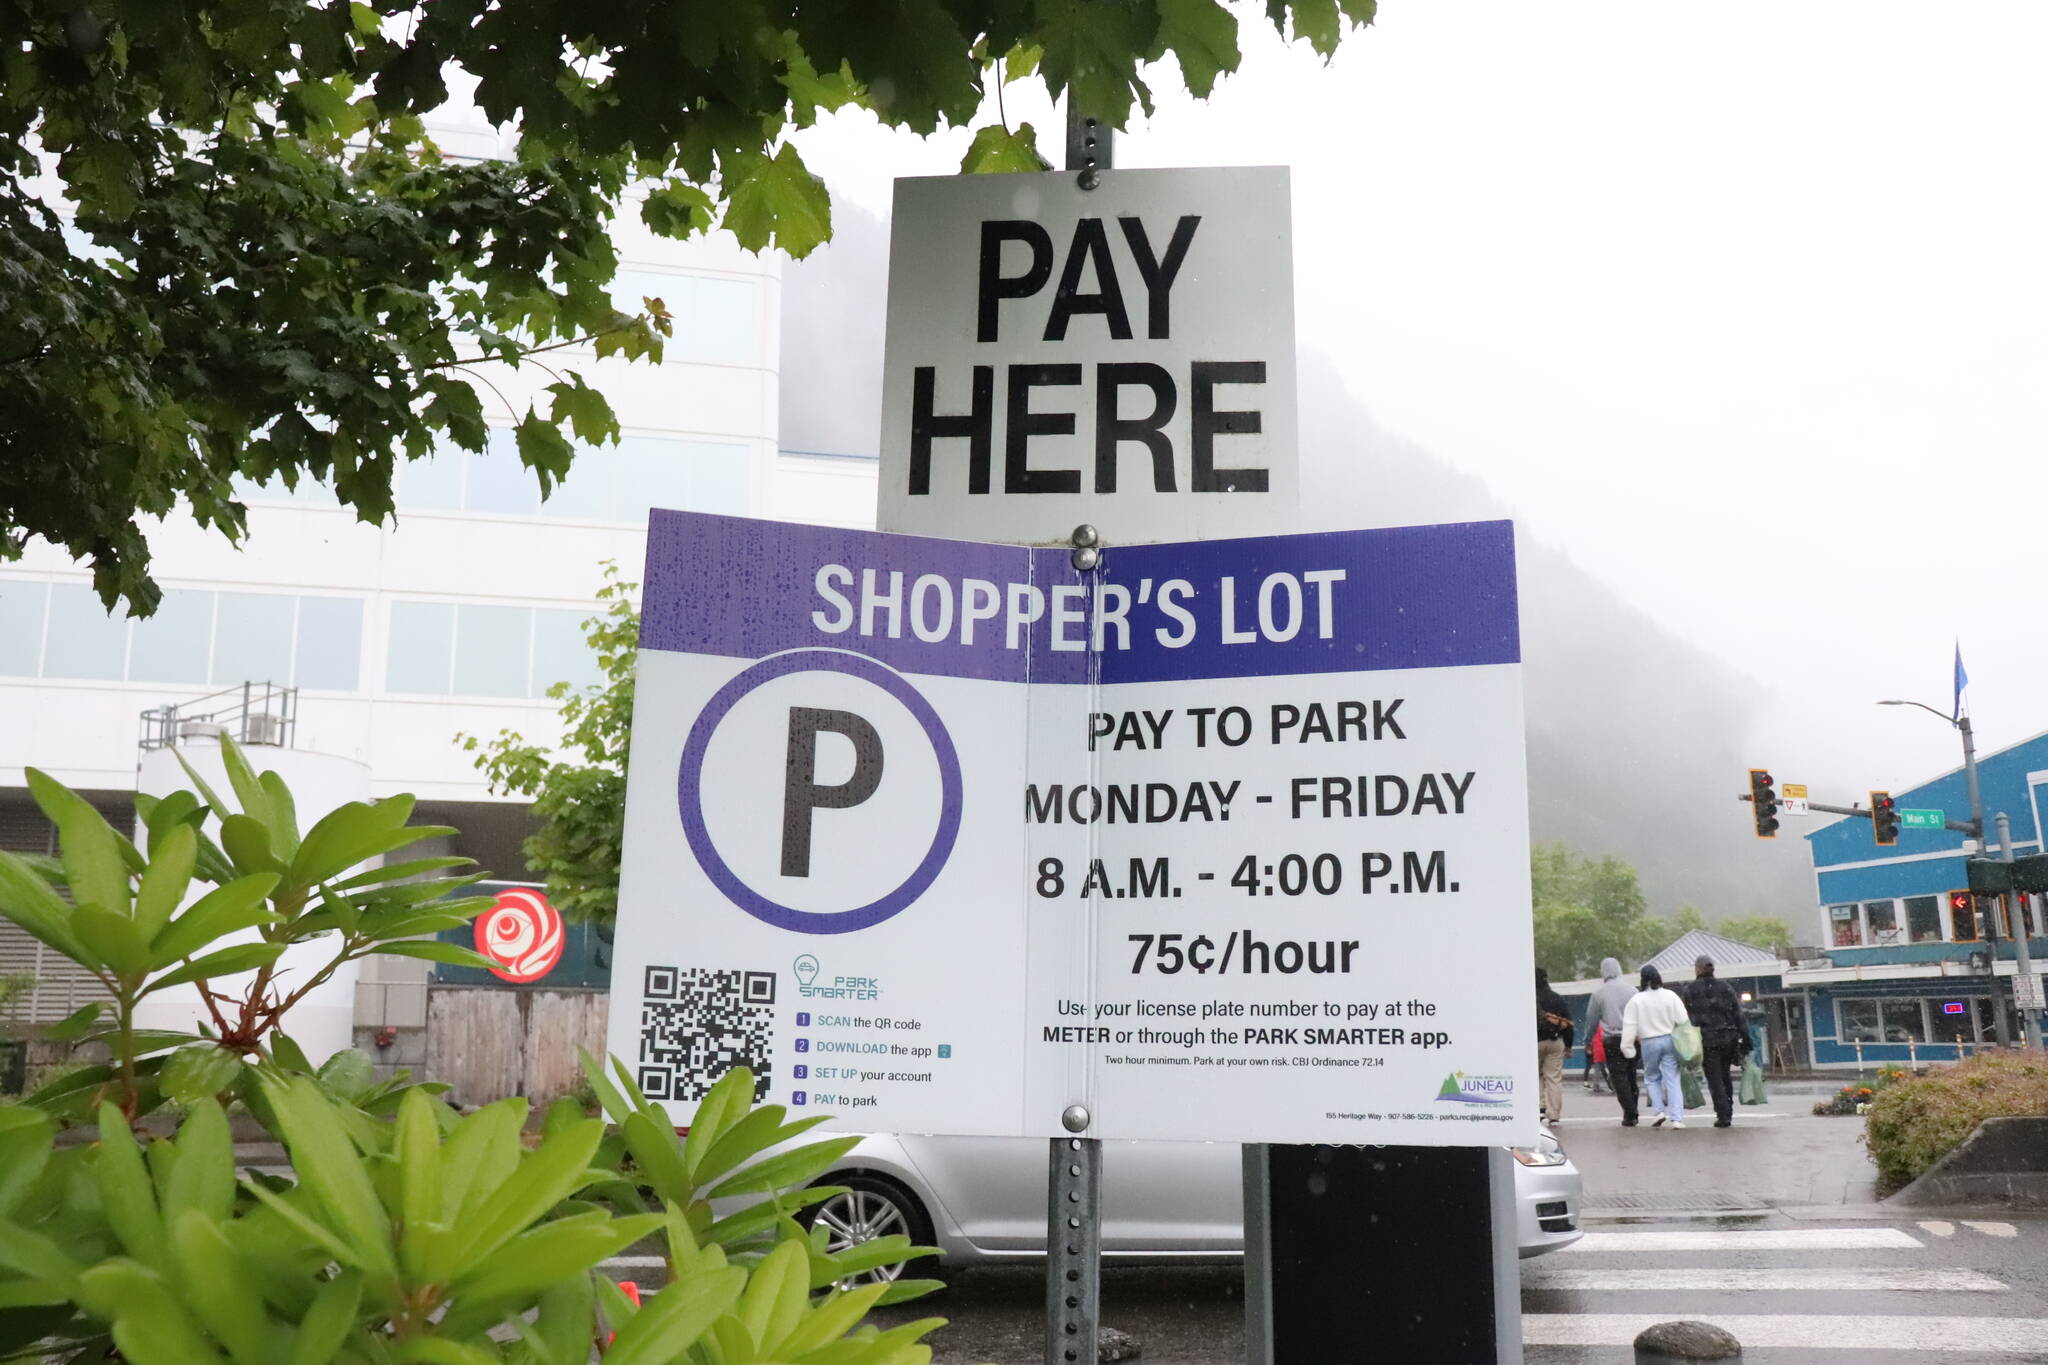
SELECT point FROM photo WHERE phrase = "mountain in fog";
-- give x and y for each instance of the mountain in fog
(1635, 735)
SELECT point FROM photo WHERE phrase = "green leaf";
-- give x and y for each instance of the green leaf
(839, 1314)
(756, 1219)
(197, 1073)
(547, 1177)
(220, 912)
(903, 1291)
(347, 1074)
(431, 950)
(1091, 52)
(27, 1137)
(248, 790)
(92, 855)
(416, 1144)
(723, 1105)
(304, 1224)
(777, 1292)
(352, 833)
(113, 939)
(391, 872)
(652, 1141)
(1021, 62)
(668, 1325)
(752, 1135)
(777, 201)
(243, 957)
(28, 1252)
(482, 1150)
(28, 900)
(1202, 35)
(997, 150)
(126, 1194)
(214, 1289)
(73, 1026)
(328, 1165)
(247, 841)
(220, 808)
(168, 877)
(798, 1166)
(150, 1326)
(538, 1257)
(203, 1178)
(327, 1322)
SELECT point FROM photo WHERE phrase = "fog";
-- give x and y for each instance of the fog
(1634, 733)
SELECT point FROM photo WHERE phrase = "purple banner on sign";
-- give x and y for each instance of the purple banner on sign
(1339, 601)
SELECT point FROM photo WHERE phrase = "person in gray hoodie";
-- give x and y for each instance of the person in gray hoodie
(1603, 1013)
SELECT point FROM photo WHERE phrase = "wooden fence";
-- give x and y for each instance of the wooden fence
(489, 1043)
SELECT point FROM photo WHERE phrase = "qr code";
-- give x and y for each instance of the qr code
(696, 1024)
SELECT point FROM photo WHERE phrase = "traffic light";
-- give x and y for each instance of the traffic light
(1962, 916)
(1884, 819)
(1763, 803)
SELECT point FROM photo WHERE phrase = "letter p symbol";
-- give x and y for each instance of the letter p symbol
(802, 794)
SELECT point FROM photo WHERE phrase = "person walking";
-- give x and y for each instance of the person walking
(1724, 1040)
(1604, 1020)
(1646, 1024)
(1553, 1040)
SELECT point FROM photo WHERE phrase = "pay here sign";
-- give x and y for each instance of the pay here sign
(1223, 840)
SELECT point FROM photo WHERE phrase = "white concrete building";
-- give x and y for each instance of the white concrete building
(454, 620)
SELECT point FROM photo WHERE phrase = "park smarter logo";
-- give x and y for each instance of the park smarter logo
(1461, 1088)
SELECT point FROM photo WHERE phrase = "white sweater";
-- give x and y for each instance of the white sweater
(1651, 1014)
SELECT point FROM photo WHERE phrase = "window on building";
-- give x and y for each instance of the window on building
(1856, 1021)
(1953, 1021)
(1883, 920)
(422, 647)
(253, 638)
(611, 483)
(1923, 919)
(1987, 1028)
(1845, 929)
(717, 320)
(196, 639)
(22, 606)
(1904, 1021)
(82, 640)
(480, 650)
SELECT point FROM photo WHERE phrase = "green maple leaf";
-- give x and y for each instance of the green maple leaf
(1202, 35)
(1091, 51)
(778, 200)
(997, 150)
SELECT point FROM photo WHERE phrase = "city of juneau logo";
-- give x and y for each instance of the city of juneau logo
(1462, 1088)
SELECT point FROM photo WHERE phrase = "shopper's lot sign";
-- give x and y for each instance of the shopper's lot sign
(1223, 840)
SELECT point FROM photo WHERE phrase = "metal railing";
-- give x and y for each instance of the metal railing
(251, 713)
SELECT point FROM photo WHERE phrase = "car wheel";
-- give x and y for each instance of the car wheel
(872, 1206)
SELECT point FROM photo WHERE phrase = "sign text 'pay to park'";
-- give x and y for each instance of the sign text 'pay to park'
(1223, 840)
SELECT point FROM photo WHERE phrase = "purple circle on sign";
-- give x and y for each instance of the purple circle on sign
(690, 792)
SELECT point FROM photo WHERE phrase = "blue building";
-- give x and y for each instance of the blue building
(1909, 971)
(1896, 966)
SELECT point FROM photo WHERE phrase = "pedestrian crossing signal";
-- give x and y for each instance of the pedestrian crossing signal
(1884, 819)
(1763, 803)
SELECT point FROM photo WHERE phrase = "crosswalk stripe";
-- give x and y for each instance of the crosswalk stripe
(1939, 1228)
(1779, 1239)
(1805, 1331)
(1992, 1229)
(1750, 1280)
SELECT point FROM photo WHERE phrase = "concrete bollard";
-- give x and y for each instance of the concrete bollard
(1673, 1341)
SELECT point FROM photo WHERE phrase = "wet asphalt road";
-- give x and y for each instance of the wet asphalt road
(1784, 1245)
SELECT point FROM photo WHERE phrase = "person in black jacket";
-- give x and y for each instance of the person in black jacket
(1553, 1040)
(1717, 1012)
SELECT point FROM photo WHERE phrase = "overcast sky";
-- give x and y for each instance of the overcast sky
(1741, 306)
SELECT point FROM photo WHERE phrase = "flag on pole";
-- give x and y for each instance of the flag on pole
(1962, 681)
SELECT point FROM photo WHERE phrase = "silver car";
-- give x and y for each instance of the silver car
(982, 1200)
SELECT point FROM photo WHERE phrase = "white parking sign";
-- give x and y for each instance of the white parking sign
(1222, 840)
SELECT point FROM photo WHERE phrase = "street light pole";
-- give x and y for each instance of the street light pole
(2030, 1023)
(1989, 922)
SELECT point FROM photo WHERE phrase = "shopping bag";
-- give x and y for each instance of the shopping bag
(1686, 1038)
(1752, 1091)
(1689, 1085)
